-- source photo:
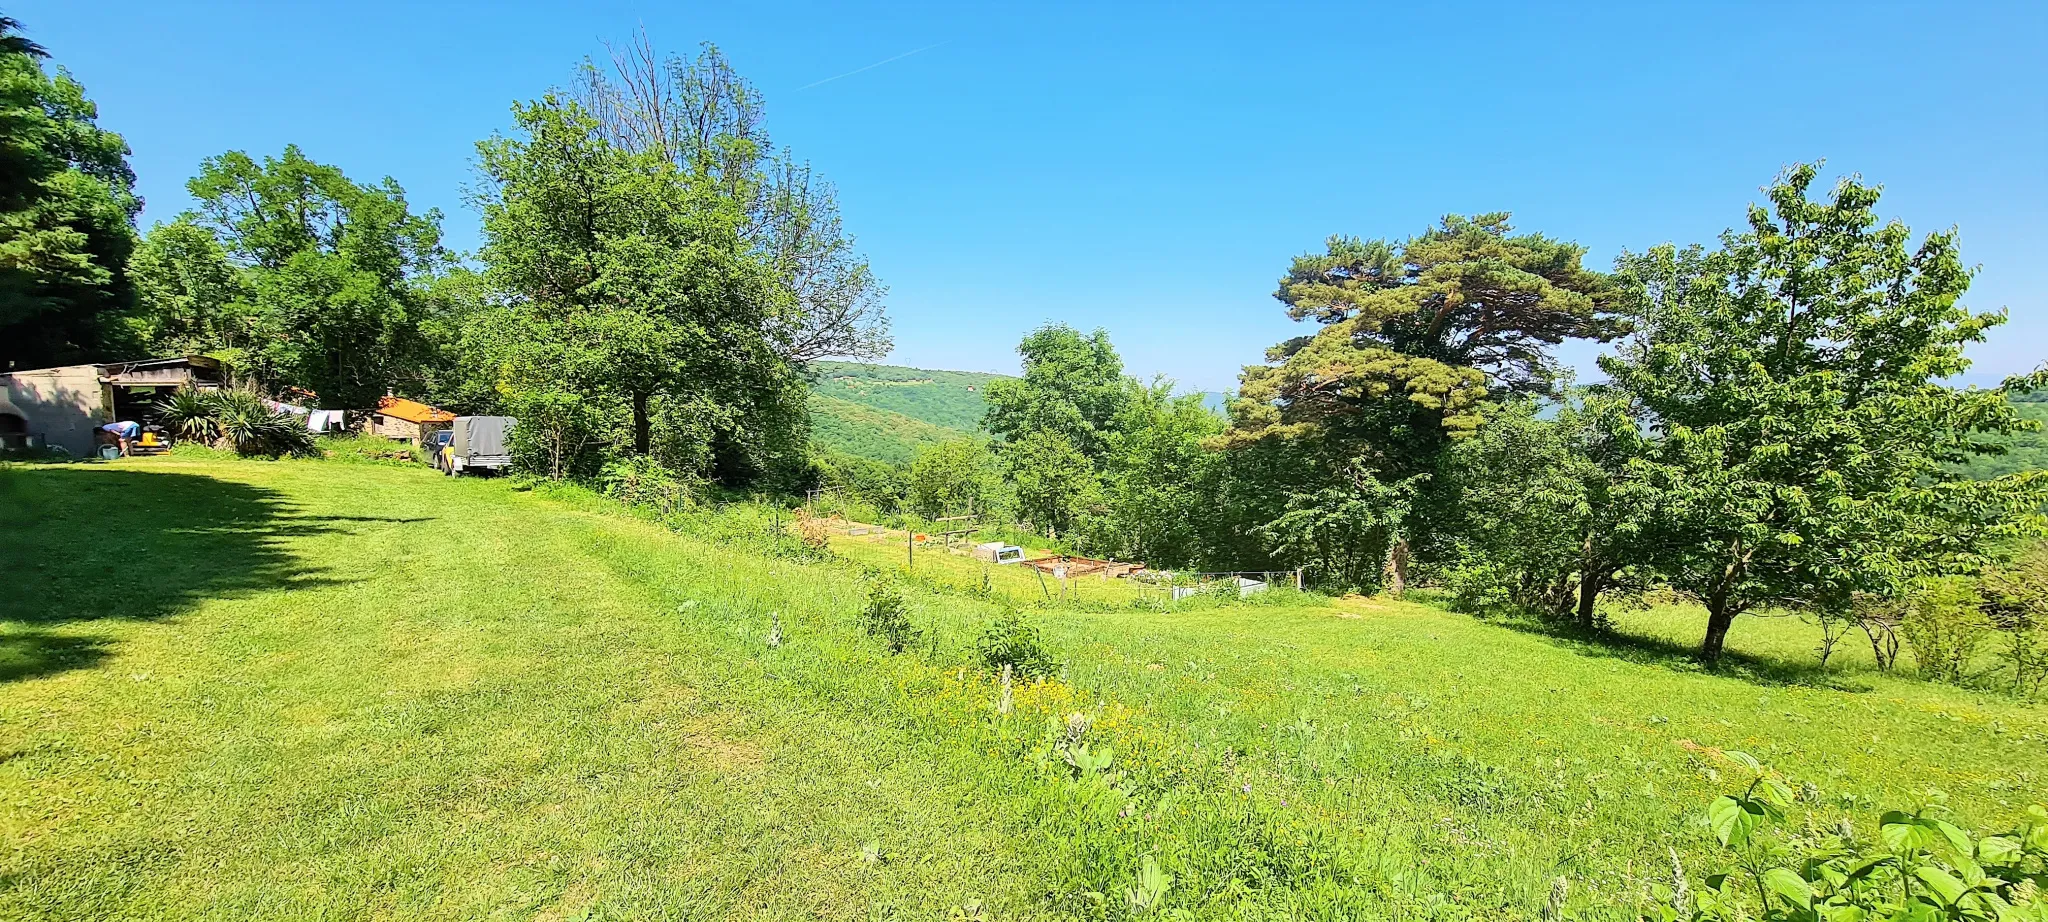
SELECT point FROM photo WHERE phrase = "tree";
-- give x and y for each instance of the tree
(329, 276)
(700, 115)
(1550, 513)
(1160, 481)
(193, 299)
(952, 478)
(1073, 386)
(1057, 486)
(67, 216)
(632, 287)
(1791, 381)
(1415, 337)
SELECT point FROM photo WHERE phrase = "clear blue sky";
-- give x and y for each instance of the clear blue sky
(1151, 169)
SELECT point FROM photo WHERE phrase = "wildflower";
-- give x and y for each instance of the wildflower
(1247, 788)
(774, 629)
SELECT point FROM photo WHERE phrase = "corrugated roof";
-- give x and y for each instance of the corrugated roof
(412, 411)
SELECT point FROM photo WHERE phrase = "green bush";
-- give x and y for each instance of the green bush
(1012, 641)
(2016, 602)
(886, 617)
(238, 419)
(641, 480)
(1944, 625)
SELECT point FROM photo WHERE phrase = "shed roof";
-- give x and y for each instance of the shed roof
(412, 411)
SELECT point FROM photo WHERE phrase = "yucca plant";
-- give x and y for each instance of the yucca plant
(239, 419)
(189, 414)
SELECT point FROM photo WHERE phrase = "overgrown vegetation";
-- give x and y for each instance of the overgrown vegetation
(237, 419)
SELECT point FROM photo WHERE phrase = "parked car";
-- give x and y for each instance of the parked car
(436, 442)
(478, 443)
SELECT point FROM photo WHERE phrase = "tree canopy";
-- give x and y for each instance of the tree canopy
(67, 216)
(1794, 380)
(1415, 338)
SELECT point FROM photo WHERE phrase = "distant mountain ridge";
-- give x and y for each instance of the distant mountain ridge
(887, 412)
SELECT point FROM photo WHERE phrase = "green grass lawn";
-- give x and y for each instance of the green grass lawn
(251, 690)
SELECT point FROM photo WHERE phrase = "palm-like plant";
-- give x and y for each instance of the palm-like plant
(240, 419)
(189, 414)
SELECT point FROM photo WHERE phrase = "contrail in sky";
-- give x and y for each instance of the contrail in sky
(870, 66)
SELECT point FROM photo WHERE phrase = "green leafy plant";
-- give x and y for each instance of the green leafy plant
(240, 419)
(1150, 893)
(1918, 867)
(189, 415)
(887, 618)
(1012, 641)
(2016, 600)
(1944, 625)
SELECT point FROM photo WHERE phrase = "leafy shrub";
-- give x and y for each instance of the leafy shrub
(246, 423)
(2016, 601)
(189, 415)
(642, 481)
(887, 618)
(1944, 624)
(1919, 866)
(1010, 640)
(1480, 589)
(238, 419)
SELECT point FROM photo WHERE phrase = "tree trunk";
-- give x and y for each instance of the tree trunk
(1719, 617)
(642, 433)
(1397, 568)
(1590, 584)
(1591, 581)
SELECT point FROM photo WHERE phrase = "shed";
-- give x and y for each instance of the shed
(407, 420)
(66, 405)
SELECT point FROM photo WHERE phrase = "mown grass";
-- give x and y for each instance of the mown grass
(271, 690)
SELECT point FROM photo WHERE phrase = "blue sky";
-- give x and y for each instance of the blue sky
(1152, 169)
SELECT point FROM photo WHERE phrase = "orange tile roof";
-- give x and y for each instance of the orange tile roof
(412, 411)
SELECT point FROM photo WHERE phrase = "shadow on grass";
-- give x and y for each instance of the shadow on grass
(1657, 651)
(79, 546)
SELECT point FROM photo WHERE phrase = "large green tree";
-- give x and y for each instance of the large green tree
(1793, 380)
(298, 276)
(1550, 513)
(1415, 337)
(632, 291)
(1073, 386)
(67, 217)
(704, 118)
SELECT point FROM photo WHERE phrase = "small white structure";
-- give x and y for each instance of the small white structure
(998, 552)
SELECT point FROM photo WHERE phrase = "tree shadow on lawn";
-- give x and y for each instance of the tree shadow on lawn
(1657, 651)
(80, 546)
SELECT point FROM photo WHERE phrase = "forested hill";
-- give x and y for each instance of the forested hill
(886, 412)
(2024, 451)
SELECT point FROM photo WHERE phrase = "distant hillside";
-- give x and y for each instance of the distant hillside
(870, 432)
(949, 399)
(2024, 451)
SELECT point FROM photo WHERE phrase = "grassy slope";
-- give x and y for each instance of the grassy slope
(282, 690)
(868, 432)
